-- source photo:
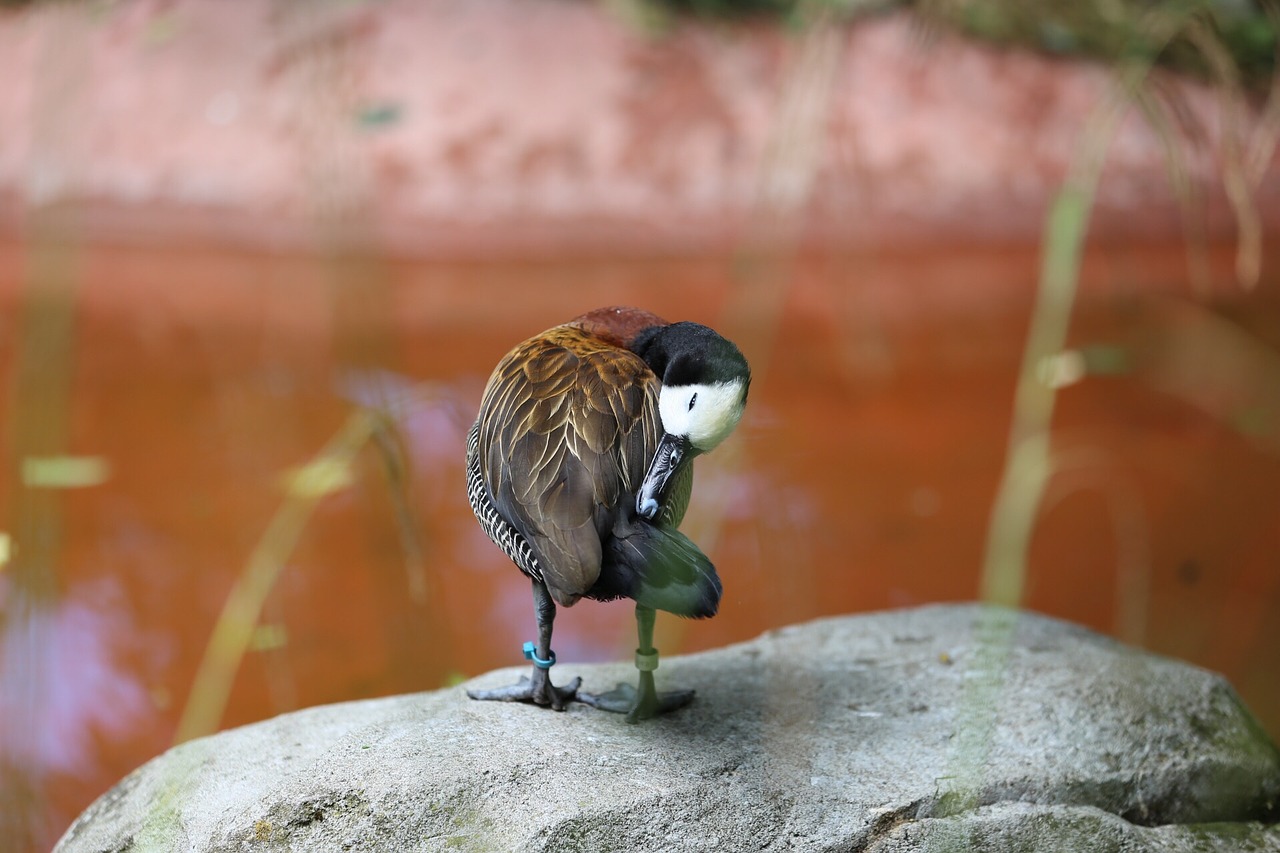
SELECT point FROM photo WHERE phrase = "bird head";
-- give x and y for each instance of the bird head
(705, 380)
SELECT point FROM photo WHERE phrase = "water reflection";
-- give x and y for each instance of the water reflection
(73, 691)
(69, 664)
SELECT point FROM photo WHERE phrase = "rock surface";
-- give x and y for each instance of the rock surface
(948, 727)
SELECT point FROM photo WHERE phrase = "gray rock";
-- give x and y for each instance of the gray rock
(949, 727)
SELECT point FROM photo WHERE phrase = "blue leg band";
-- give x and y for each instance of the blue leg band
(531, 653)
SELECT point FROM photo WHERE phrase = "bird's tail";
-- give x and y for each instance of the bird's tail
(661, 568)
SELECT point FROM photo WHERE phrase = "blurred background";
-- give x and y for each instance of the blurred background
(1005, 272)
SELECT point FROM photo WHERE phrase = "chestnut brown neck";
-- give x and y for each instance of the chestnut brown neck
(617, 325)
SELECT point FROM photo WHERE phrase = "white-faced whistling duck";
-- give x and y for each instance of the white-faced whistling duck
(578, 467)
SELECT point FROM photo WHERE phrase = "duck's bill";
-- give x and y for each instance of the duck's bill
(673, 454)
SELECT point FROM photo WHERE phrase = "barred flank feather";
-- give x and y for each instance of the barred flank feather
(495, 526)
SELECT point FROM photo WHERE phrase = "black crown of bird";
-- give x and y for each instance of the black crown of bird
(579, 467)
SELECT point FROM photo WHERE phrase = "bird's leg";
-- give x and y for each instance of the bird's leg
(537, 688)
(544, 692)
(642, 701)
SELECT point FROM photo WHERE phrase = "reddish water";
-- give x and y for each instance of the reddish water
(862, 477)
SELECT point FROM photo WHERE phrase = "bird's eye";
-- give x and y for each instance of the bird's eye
(692, 400)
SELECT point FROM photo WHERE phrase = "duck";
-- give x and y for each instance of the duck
(579, 468)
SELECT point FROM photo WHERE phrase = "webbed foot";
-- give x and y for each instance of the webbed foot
(638, 704)
(537, 691)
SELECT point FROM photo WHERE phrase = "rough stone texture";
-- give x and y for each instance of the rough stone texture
(948, 727)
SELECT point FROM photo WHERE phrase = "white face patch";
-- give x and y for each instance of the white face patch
(705, 414)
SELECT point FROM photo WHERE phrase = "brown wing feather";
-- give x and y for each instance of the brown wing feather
(568, 425)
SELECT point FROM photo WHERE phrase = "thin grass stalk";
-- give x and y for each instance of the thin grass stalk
(1155, 110)
(394, 466)
(1027, 466)
(1028, 463)
(234, 628)
(1235, 156)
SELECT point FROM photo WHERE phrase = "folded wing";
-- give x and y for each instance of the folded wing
(578, 421)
